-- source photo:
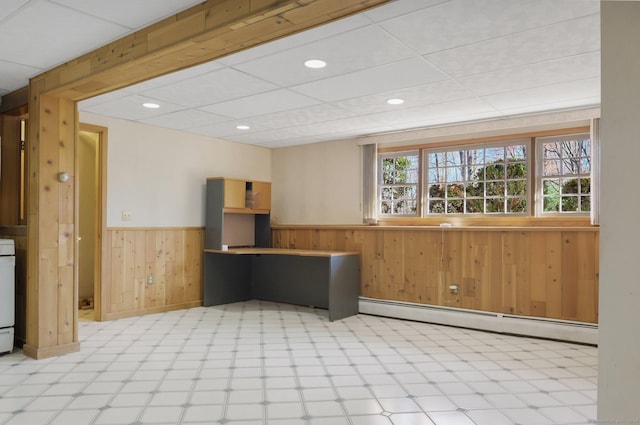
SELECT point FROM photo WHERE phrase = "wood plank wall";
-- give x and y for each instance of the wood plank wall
(173, 256)
(10, 168)
(51, 235)
(544, 272)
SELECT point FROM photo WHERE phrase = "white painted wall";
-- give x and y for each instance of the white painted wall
(159, 174)
(318, 183)
(619, 346)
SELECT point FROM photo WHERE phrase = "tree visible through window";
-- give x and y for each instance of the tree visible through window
(566, 174)
(398, 184)
(483, 180)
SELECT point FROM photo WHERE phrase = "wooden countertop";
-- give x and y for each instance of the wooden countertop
(282, 251)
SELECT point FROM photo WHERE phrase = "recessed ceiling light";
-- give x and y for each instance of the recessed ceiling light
(151, 105)
(395, 101)
(243, 127)
(315, 63)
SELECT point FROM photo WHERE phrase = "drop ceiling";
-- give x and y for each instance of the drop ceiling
(450, 61)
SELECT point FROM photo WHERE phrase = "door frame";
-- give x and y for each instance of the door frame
(99, 275)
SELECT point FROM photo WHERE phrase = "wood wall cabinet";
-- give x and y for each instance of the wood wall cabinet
(248, 197)
(237, 213)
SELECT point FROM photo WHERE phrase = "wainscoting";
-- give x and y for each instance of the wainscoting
(540, 272)
(150, 270)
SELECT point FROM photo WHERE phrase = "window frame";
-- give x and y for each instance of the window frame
(540, 177)
(380, 186)
(529, 219)
(526, 142)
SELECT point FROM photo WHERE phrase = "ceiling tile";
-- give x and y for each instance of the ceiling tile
(553, 106)
(130, 108)
(132, 14)
(227, 129)
(213, 87)
(49, 26)
(438, 92)
(300, 39)
(301, 116)
(264, 138)
(346, 126)
(260, 104)
(398, 8)
(185, 119)
(539, 74)
(352, 51)
(434, 29)
(552, 42)
(429, 113)
(571, 91)
(14, 75)
(174, 77)
(103, 98)
(10, 6)
(394, 76)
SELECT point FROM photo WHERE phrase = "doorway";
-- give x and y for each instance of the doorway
(91, 152)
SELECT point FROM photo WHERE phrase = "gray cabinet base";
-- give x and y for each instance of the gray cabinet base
(329, 282)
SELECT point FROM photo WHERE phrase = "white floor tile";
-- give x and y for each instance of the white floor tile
(527, 417)
(245, 411)
(362, 407)
(410, 419)
(203, 414)
(75, 417)
(119, 415)
(324, 408)
(261, 363)
(31, 418)
(489, 417)
(435, 403)
(284, 411)
(169, 398)
(450, 418)
(562, 415)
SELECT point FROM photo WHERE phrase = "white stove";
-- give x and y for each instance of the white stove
(7, 294)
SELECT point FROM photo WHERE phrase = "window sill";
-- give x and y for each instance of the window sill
(480, 222)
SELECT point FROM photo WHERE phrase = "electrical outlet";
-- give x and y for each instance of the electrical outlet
(453, 289)
(150, 279)
(127, 215)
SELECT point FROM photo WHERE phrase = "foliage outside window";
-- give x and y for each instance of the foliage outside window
(398, 184)
(565, 177)
(484, 180)
(491, 178)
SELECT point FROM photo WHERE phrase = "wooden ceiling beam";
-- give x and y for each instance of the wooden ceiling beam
(205, 32)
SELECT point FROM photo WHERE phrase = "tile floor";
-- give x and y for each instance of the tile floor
(258, 363)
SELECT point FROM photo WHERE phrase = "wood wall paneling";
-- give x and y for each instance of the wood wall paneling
(10, 168)
(550, 273)
(171, 256)
(51, 295)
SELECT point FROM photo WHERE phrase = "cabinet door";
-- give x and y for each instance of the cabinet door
(261, 195)
(234, 193)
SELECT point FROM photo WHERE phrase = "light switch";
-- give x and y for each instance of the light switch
(127, 215)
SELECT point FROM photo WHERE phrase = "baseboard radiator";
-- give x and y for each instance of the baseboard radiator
(585, 333)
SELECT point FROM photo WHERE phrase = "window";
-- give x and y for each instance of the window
(488, 179)
(398, 183)
(565, 174)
